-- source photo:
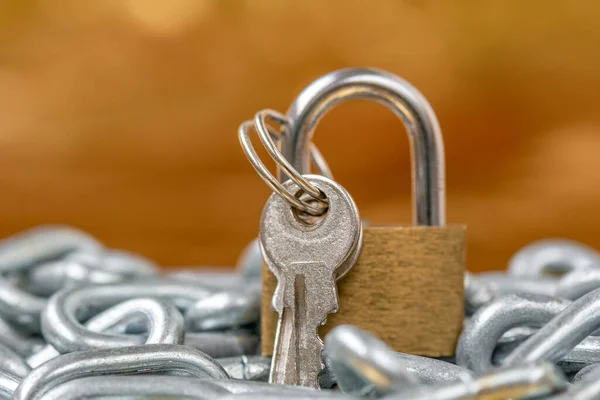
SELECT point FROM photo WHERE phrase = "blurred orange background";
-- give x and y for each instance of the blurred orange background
(120, 116)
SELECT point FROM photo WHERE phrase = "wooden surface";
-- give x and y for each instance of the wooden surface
(406, 288)
(120, 117)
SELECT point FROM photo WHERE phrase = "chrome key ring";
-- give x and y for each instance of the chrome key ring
(266, 134)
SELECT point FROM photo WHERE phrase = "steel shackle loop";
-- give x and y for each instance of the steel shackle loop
(397, 95)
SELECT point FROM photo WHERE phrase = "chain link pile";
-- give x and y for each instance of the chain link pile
(79, 320)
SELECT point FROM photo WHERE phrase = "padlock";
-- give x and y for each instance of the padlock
(407, 284)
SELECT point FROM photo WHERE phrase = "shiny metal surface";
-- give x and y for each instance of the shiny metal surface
(18, 340)
(586, 353)
(307, 259)
(399, 96)
(578, 283)
(291, 396)
(430, 370)
(364, 365)
(210, 277)
(228, 309)
(559, 336)
(136, 387)
(60, 323)
(586, 371)
(265, 134)
(40, 244)
(523, 381)
(13, 363)
(251, 368)
(241, 386)
(88, 266)
(8, 385)
(121, 328)
(20, 306)
(485, 328)
(260, 122)
(215, 344)
(145, 359)
(484, 287)
(164, 324)
(503, 284)
(585, 388)
(552, 257)
(223, 344)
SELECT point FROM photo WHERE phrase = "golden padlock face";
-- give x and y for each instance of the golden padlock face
(406, 288)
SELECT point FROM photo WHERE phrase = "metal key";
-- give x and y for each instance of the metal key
(307, 259)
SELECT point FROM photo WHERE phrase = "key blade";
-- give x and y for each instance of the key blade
(293, 339)
(284, 369)
(309, 295)
(310, 346)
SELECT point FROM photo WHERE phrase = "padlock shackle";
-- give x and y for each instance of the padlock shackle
(429, 203)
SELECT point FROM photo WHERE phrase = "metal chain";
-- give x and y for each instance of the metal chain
(81, 320)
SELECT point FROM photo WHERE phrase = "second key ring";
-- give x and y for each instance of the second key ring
(266, 134)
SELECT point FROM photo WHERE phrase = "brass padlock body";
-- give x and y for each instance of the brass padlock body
(406, 288)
